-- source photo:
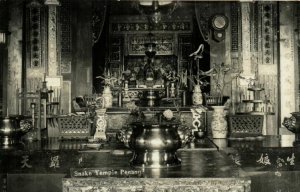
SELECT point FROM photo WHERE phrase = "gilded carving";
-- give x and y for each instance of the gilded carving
(52, 52)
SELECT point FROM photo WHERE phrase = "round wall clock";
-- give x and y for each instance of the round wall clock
(219, 22)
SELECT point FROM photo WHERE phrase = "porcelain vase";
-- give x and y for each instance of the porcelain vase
(197, 95)
(219, 123)
(107, 97)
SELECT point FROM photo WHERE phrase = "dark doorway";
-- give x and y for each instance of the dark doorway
(100, 55)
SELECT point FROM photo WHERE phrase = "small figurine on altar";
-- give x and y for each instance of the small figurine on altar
(109, 80)
(171, 78)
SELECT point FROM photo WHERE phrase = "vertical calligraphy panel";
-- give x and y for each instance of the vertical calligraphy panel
(53, 69)
(35, 34)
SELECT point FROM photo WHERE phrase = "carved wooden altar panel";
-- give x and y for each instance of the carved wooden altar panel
(133, 31)
(164, 44)
(142, 25)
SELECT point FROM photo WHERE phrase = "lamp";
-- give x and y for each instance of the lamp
(159, 3)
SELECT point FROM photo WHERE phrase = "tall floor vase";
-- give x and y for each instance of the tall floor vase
(219, 123)
(197, 95)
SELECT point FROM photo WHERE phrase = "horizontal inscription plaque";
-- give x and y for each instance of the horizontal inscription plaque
(102, 173)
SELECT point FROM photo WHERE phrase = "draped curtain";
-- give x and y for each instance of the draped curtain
(99, 15)
(203, 14)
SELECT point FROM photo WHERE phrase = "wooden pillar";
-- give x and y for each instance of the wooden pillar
(53, 66)
(14, 67)
(246, 30)
(288, 69)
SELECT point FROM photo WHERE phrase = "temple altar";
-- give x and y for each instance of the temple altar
(149, 95)
(206, 164)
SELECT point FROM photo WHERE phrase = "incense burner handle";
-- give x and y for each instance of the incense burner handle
(292, 123)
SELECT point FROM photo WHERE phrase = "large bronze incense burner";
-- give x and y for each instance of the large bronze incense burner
(11, 130)
(154, 145)
(292, 123)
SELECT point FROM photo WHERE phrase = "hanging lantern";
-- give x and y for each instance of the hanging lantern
(155, 10)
